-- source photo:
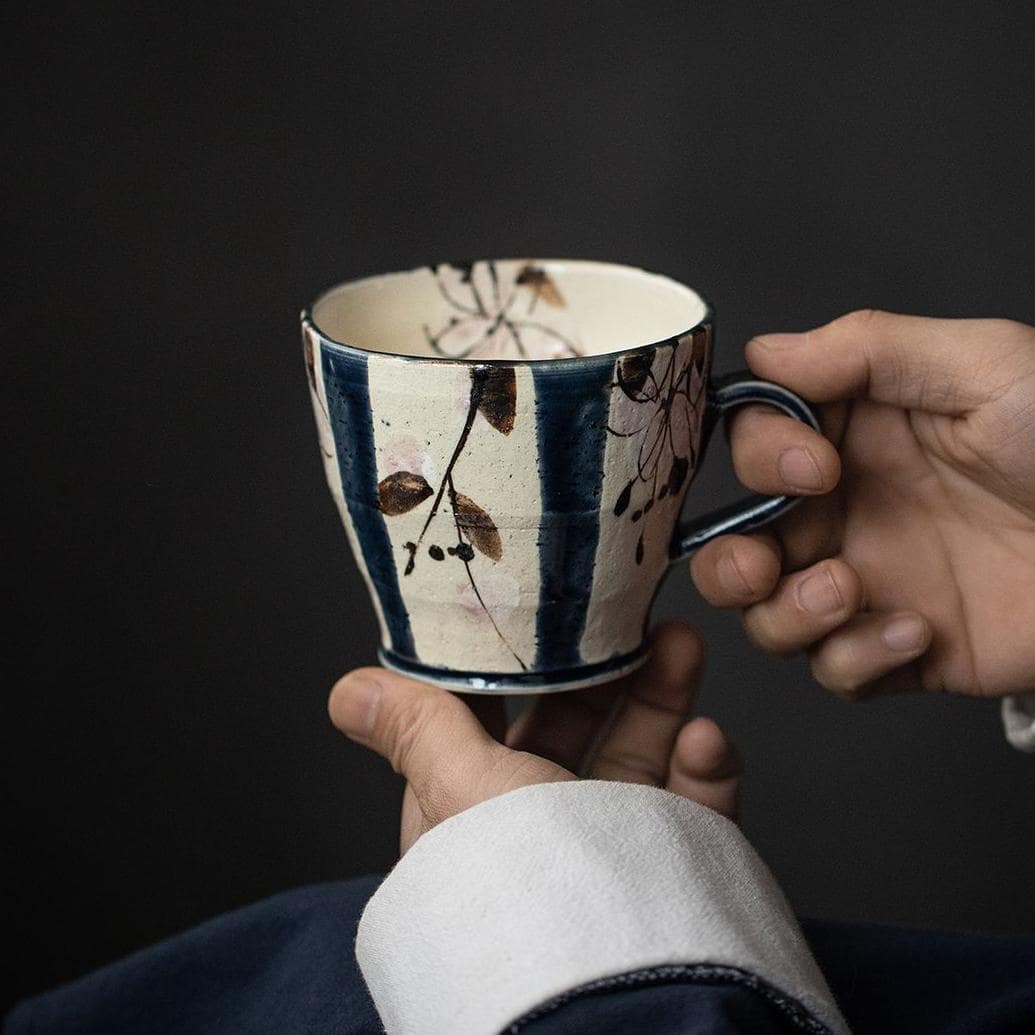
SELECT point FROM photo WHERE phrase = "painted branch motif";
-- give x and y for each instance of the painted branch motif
(493, 394)
(494, 313)
(663, 409)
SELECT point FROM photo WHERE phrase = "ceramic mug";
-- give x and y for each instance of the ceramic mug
(509, 444)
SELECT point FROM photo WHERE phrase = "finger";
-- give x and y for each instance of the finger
(706, 767)
(563, 727)
(491, 711)
(413, 725)
(914, 362)
(737, 570)
(658, 700)
(775, 454)
(833, 421)
(805, 607)
(812, 531)
(870, 654)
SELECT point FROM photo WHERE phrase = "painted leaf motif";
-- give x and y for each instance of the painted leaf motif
(622, 503)
(542, 284)
(498, 402)
(677, 474)
(632, 374)
(401, 491)
(699, 349)
(478, 527)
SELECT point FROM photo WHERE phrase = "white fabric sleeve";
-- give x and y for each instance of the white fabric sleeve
(1019, 721)
(526, 896)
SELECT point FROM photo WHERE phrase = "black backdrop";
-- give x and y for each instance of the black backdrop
(181, 182)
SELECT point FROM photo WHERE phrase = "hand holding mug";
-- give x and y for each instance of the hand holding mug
(636, 729)
(918, 569)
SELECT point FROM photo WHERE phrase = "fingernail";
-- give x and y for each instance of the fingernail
(798, 468)
(357, 709)
(779, 341)
(729, 576)
(904, 634)
(819, 595)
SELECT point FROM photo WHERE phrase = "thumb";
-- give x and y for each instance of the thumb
(915, 362)
(423, 731)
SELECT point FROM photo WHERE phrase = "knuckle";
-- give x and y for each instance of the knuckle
(865, 318)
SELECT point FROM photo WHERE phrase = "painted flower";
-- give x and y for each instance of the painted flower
(495, 311)
(406, 453)
(659, 400)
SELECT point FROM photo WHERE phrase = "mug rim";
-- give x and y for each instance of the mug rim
(707, 319)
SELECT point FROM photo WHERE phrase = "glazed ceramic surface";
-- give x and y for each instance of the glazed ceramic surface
(509, 444)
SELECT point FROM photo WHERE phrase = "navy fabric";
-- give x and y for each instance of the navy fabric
(893, 980)
(284, 965)
(287, 965)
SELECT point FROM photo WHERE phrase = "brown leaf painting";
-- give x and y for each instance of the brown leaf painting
(542, 284)
(498, 402)
(478, 527)
(400, 492)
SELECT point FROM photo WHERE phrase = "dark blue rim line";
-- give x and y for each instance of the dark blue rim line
(516, 681)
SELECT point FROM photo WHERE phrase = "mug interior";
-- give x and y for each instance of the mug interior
(508, 309)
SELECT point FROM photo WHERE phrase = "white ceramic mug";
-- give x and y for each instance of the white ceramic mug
(509, 444)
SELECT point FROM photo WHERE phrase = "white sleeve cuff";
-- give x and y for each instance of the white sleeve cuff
(527, 896)
(1019, 721)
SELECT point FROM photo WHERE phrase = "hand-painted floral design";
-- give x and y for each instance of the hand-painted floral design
(660, 400)
(493, 394)
(500, 311)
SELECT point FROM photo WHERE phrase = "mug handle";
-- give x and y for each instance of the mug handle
(724, 394)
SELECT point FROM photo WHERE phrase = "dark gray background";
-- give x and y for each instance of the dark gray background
(181, 182)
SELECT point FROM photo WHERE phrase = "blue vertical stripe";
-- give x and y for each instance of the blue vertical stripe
(572, 405)
(345, 379)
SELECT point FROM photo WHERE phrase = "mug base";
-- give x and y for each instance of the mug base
(539, 682)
